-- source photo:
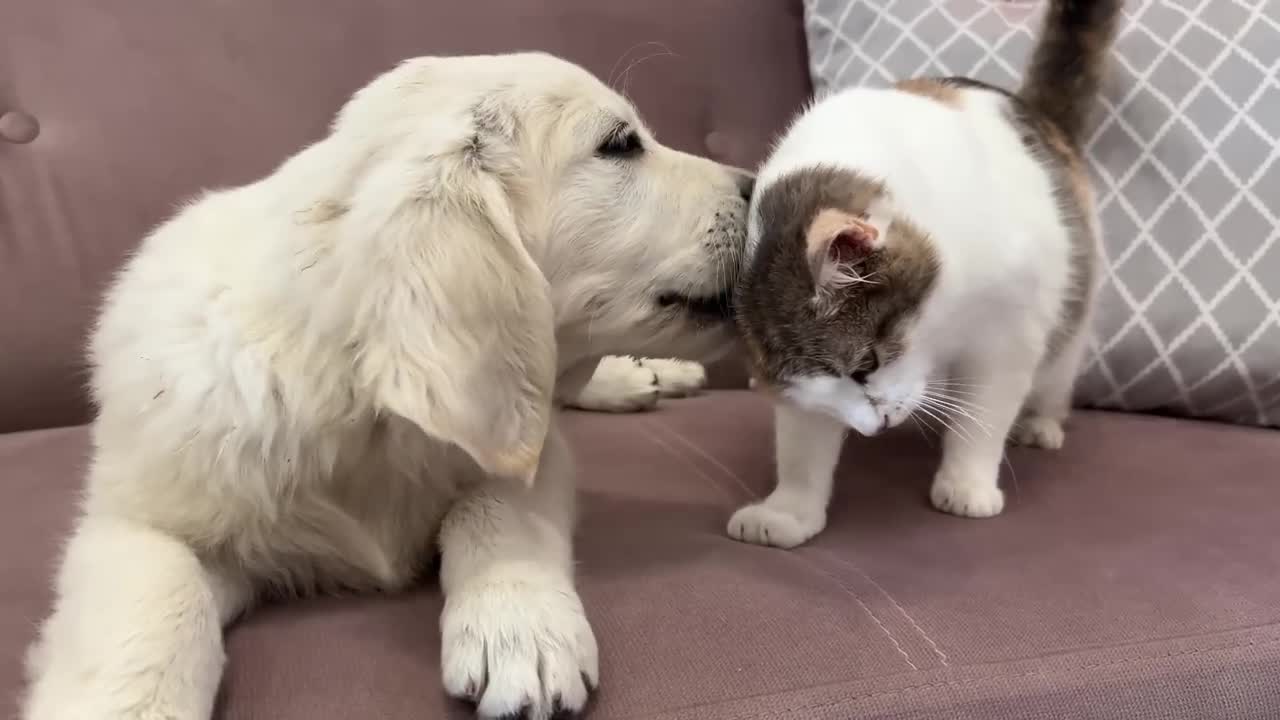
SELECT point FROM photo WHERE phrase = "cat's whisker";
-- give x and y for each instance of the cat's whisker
(1013, 475)
(945, 407)
(942, 420)
(966, 389)
(968, 398)
(955, 384)
(955, 404)
(923, 429)
(962, 397)
(966, 402)
(949, 385)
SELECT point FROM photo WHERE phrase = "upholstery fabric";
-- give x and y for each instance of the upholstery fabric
(1186, 162)
(141, 105)
(1139, 579)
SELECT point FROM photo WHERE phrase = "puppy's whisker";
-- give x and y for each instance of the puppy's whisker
(625, 77)
(612, 77)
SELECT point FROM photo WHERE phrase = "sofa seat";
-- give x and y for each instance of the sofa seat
(1136, 574)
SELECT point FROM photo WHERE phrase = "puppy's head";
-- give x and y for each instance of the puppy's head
(511, 217)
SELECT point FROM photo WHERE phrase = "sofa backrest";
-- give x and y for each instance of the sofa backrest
(141, 104)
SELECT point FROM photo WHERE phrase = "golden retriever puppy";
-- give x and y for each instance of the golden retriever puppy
(317, 381)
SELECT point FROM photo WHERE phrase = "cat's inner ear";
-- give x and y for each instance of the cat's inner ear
(852, 243)
(837, 240)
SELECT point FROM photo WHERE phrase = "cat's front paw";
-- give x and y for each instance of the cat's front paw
(518, 647)
(1039, 432)
(966, 497)
(771, 524)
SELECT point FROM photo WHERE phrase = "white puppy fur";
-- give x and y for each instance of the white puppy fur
(625, 384)
(315, 381)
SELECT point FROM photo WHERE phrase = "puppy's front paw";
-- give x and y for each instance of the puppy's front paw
(620, 384)
(518, 647)
(677, 378)
(771, 524)
(966, 496)
(1040, 432)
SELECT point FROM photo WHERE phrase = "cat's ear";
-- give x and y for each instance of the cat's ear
(837, 242)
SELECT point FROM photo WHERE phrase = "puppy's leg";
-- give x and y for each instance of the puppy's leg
(967, 482)
(515, 637)
(677, 378)
(136, 632)
(808, 448)
(620, 384)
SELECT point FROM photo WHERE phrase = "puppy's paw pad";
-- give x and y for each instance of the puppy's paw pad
(518, 649)
(967, 499)
(677, 378)
(764, 524)
(1039, 432)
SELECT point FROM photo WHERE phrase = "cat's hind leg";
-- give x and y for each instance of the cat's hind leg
(1049, 404)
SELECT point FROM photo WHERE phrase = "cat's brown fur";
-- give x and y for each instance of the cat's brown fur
(817, 338)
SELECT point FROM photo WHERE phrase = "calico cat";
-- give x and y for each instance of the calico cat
(931, 250)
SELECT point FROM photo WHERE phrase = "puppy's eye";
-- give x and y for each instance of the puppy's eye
(621, 144)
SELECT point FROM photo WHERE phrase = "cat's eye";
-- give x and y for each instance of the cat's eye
(870, 365)
(623, 142)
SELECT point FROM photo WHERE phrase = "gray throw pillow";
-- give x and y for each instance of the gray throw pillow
(1186, 162)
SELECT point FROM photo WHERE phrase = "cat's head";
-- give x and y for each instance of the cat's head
(830, 298)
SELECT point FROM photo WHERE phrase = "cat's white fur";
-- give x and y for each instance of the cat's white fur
(959, 171)
(317, 380)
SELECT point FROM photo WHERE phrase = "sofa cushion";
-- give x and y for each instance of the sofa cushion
(1134, 574)
(139, 106)
(1186, 159)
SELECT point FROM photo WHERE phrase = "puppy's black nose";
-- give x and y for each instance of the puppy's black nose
(746, 183)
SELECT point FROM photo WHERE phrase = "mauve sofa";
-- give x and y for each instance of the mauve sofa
(1135, 574)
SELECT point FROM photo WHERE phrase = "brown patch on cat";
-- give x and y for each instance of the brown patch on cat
(932, 88)
(1067, 67)
(1069, 157)
(1061, 159)
(785, 332)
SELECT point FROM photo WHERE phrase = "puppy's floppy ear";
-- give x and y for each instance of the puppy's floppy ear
(456, 330)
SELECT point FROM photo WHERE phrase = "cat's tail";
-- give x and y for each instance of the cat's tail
(1067, 67)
